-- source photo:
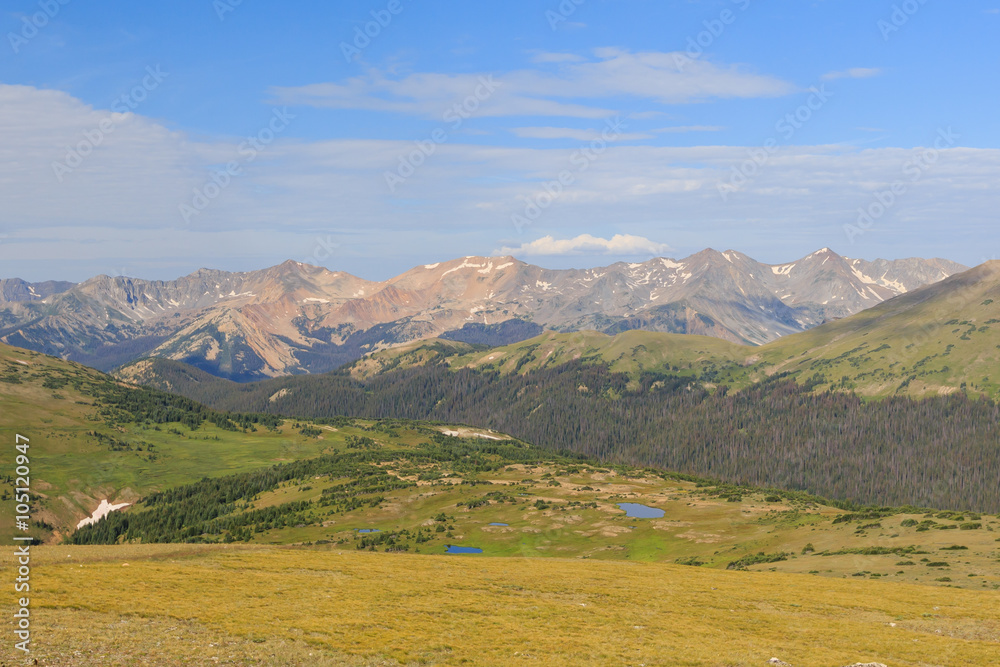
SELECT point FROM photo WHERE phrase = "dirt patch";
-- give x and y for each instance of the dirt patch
(472, 433)
(670, 525)
(700, 538)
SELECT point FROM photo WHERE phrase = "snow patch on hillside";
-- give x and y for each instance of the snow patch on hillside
(104, 509)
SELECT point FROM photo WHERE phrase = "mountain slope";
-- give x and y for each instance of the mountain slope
(935, 340)
(93, 438)
(706, 406)
(938, 339)
(296, 318)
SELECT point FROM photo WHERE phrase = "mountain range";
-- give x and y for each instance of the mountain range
(794, 413)
(935, 340)
(295, 318)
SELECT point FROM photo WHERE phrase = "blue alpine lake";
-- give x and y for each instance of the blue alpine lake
(369, 530)
(499, 524)
(637, 511)
(452, 549)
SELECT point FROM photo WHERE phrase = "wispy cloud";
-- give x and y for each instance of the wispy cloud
(586, 244)
(853, 73)
(570, 88)
(126, 195)
(571, 133)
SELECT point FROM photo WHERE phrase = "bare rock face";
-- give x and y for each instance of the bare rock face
(296, 318)
(17, 290)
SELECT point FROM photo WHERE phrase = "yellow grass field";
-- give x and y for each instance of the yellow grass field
(237, 605)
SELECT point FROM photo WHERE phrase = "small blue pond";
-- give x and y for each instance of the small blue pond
(499, 524)
(452, 549)
(637, 511)
(369, 530)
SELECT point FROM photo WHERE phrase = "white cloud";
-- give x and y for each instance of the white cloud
(123, 200)
(651, 76)
(571, 133)
(853, 73)
(585, 244)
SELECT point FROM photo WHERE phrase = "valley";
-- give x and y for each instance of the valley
(770, 494)
(421, 487)
(419, 334)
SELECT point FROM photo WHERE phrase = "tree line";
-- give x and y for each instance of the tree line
(938, 452)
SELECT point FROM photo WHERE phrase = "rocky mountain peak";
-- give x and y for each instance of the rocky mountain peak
(295, 317)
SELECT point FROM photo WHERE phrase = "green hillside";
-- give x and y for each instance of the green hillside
(292, 528)
(630, 352)
(380, 493)
(797, 413)
(198, 475)
(94, 438)
(937, 340)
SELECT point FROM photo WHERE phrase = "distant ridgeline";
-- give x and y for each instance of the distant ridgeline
(937, 452)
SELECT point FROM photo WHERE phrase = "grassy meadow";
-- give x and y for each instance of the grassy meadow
(239, 605)
(571, 511)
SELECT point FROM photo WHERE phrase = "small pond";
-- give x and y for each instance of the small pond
(453, 549)
(499, 524)
(637, 511)
(369, 530)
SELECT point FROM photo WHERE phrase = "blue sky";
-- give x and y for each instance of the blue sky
(151, 139)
